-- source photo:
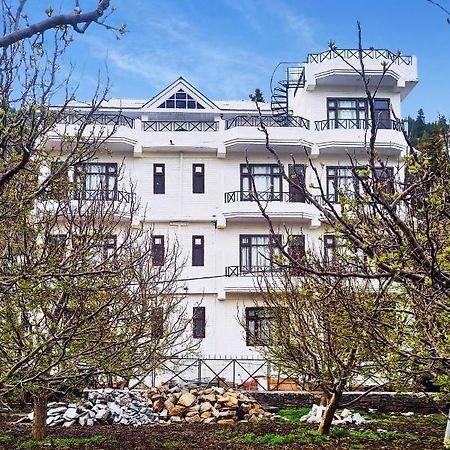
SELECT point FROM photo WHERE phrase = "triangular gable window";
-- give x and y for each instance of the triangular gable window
(181, 100)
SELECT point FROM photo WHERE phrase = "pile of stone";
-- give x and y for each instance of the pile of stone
(209, 405)
(105, 406)
(346, 416)
(156, 405)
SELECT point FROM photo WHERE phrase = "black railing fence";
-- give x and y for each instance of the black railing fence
(180, 125)
(371, 53)
(357, 124)
(242, 373)
(98, 119)
(268, 121)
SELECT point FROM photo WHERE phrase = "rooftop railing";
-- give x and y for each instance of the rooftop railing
(180, 125)
(107, 195)
(268, 121)
(371, 53)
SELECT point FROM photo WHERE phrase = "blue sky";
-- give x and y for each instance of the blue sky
(227, 48)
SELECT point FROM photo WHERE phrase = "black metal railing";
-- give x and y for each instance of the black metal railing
(239, 271)
(241, 373)
(98, 119)
(104, 195)
(366, 54)
(357, 124)
(180, 125)
(265, 196)
(268, 121)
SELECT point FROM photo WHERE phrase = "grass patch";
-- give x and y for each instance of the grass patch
(5, 438)
(302, 437)
(293, 415)
(66, 442)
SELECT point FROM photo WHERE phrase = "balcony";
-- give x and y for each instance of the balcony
(104, 195)
(268, 121)
(98, 119)
(357, 124)
(242, 205)
(180, 125)
(240, 271)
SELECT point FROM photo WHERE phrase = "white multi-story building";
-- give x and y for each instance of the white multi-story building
(187, 155)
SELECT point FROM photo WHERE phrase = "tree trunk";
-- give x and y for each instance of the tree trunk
(324, 399)
(39, 429)
(327, 418)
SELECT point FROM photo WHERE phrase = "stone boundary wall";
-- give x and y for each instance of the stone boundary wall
(382, 401)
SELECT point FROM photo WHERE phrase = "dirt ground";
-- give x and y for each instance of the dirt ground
(384, 432)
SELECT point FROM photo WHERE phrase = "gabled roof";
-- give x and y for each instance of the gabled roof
(180, 92)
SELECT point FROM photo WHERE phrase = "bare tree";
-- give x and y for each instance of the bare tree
(17, 27)
(395, 221)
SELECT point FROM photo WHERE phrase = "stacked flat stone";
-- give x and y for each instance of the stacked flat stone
(104, 406)
(210, 405)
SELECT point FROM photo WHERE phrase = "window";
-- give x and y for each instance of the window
(256, 252)
(353, 113)
(157, 323)
(329, 247)
(340, 181)
(198, 251)
(158, 251)
(258, 321)
(382, 113)
(159, 180)
(385, 179)
(181, 100)
(296, 246)
(198, 178)
(59, 184)
(198, 322)
(107, 247)
(297, 175)
(96, 180)
(265, 179)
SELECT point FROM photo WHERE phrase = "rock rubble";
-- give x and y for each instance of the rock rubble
(346, 416)
(156, 405)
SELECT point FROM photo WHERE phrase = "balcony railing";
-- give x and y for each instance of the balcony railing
(268, 121)
(98, 119)
(239, 271)
(104, 195)
(265, 196)
(180, 125)
(357, 124)
(366, 54)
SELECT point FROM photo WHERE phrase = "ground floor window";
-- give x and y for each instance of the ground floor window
(258, 325)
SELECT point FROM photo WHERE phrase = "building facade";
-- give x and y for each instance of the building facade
(192, 161)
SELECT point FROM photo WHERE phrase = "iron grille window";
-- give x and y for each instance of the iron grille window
(199, 322)
(261, 180)
(258, 324)
(158, 250)
(256, 252)
(159, 178)
(96, 180)
(198, 178)
(181, 100)
(297, 177)
(198, 251)
(353, 113)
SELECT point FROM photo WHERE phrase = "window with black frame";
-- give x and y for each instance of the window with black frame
(258, 326)
(96, 181)
(340, 181)
(199, 322)
(350, 113)
(261, 181)
(257, 252)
